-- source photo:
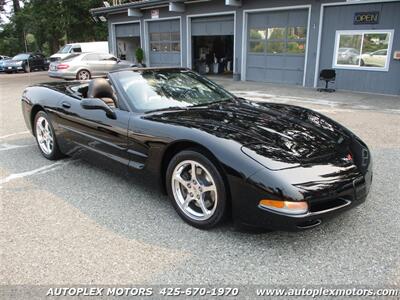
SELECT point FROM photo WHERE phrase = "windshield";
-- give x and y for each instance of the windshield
(65, 49)
(163, 89)
(21, 56)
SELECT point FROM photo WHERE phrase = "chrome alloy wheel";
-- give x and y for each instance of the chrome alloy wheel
(44, 135)
(83, 75)
(194, 190)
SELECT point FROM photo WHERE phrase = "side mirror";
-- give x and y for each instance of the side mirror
(96, 103)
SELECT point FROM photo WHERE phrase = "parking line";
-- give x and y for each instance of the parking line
(13, 134)
(41, 170)
(5, 146)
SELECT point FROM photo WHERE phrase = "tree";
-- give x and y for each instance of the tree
(16, 6)
(52, 23)
(139, 55)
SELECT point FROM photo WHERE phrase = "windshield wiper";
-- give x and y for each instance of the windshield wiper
(168, 108)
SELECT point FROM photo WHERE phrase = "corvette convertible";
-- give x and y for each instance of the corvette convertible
(267, 165)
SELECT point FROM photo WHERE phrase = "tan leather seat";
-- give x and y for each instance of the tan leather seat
(101, 88)
(110, 102)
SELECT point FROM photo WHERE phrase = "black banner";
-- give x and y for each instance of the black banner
(361, 18)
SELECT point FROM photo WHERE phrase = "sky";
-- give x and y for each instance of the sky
(8, 9)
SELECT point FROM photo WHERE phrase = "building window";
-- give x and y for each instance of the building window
(278, 40)
(165, 42)
(363, 49)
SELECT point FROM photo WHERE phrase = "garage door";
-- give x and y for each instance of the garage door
(164, 43)
(127, 30)
(219, 25)
(276, 46)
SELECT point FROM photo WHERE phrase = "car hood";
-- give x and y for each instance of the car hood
(276, 135)
(13, 62)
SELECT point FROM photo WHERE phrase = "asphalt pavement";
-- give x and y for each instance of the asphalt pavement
(71, 222)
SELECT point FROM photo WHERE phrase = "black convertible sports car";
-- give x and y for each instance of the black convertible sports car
(267, 165)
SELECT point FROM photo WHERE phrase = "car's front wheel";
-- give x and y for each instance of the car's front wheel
(196, 189)
(27, 68)
(45, 137)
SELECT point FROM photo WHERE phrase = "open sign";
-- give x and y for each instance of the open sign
(366, 18)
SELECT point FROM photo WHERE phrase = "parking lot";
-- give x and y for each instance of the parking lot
(71, 222)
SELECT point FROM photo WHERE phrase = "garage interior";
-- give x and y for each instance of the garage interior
(127, 41)
(126, 48)
(213, 54)
(213, 44)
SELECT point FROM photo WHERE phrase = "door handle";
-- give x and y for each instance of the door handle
(66, 105)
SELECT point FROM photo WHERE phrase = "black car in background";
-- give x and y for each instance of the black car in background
(26, 62)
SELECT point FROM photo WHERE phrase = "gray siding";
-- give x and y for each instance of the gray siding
(341, 18)
(336, 18)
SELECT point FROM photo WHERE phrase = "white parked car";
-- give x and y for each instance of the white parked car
(66, 50)
(374, 59)
(83, 66)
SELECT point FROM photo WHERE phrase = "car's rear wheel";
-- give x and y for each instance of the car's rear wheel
(196, 189)
(83, 75)
(45, 137)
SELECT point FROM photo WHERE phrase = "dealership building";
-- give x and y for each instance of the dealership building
(274, 41)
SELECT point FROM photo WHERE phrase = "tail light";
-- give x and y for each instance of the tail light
(62, 66)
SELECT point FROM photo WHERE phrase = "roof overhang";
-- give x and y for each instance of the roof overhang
(134, 8)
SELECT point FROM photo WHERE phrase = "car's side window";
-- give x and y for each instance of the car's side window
(108, 57)
(91, 57)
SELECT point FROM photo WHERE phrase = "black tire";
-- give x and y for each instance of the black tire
(80, 74)
(221, 206)
(362, 63)
(27, 68)
(55, 152)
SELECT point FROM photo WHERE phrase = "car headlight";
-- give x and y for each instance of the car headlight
(287, 207)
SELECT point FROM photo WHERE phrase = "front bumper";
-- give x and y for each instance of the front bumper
(256, 216)
(12, 68)
(325, 199)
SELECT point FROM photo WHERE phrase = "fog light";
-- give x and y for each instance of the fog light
(288, 207)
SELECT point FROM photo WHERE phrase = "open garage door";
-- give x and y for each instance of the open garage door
(127, 40)
(212, 44)
(276, 46)
(164, 43)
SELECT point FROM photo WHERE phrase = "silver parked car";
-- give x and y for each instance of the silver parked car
(83, 66)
